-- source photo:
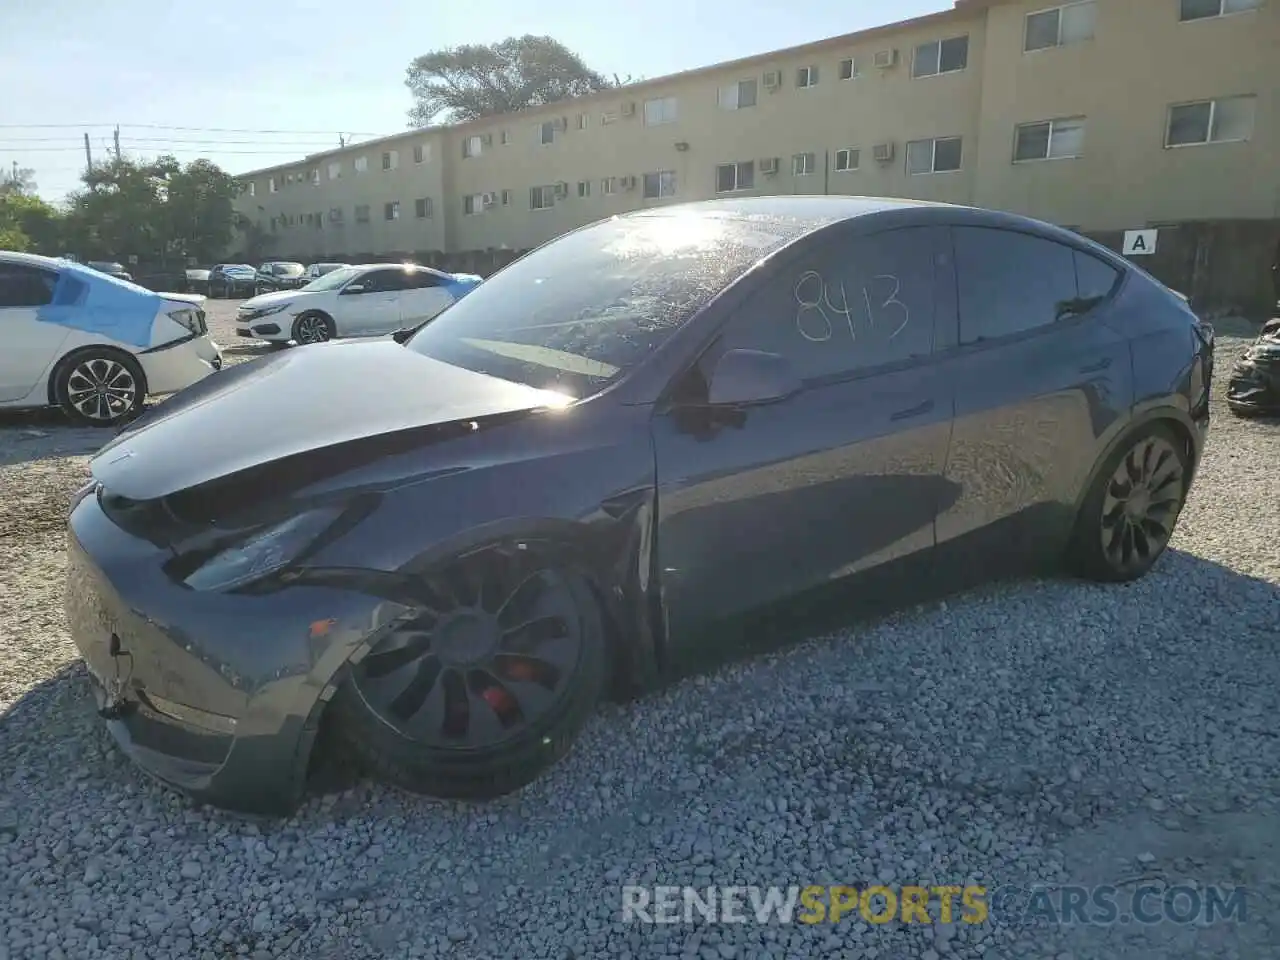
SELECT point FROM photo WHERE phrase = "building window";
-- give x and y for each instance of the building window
(473, 204)
(421, 153)
(608, 117)
(1227, 120)
(542, 198)
(362, 213)
(609, 186)
(335, 170)
(941, 56)
(1060, 26)
(273, 185)
(391, 160)
(1205, 9)
(660, 184)
(361, 164)
(584, 120)
(584, 188)
(506, 198)
(314, 177)
(803, 164)
(335, 215)
(661, 110)
(472, 147)
(391, 211)
(735, 176)
(252, 188)
(847, 159)
(849, 69)
(1049, 140)
(940, 155)
(738, 96)
(547, 132)
(807, 77)
(422, 208)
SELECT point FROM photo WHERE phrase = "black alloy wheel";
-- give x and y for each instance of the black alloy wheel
(486, 685)
(1134, 507)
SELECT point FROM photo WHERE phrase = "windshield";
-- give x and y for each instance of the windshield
(584, 310)
(333, 280)
(287, 269)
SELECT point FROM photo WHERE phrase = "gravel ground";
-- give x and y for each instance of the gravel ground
(1048, 732)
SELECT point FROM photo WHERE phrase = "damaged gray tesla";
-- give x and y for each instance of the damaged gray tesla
(446, 550)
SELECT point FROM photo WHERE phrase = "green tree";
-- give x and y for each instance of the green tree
(27, 223)
(19, 180)
(481, 80)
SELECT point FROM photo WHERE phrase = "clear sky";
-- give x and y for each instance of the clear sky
(236, 81)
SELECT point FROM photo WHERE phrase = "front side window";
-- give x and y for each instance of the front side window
(22, 286)
(1010, 282)
(1049, 140)
(941, 56)
(867, 303)
(940, 155)
(1211, 121)
(1060, 26)
(580, 312)
(735, 176)
(1205, 9)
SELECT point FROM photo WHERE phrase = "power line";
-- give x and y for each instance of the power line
(160, 126)
(283, 143)
(199, 150)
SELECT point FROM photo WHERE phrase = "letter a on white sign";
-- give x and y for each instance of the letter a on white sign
(1140, 243)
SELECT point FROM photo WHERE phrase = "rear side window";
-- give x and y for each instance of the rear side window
(1010, 282)
(421, 280)
(1095, 279)
(25, 286)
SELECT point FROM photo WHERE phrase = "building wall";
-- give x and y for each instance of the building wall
(1122, 81)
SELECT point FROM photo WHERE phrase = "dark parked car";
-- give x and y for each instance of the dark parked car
(280, 275)
(654, 424)
(317, 270)
(232, 280)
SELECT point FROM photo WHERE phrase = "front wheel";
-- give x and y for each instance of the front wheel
(1128, 517)
(486, 687)
(99, 388)
(313, 328)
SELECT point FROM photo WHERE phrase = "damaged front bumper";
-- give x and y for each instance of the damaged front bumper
(1254, 385)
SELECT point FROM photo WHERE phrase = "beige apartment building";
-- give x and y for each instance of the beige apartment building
(1101, 115)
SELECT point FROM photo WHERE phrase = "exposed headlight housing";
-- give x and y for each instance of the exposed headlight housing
(263, 553)
(192, 318)
(255, 312)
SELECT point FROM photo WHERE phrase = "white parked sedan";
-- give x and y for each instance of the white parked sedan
(94, 345)
(369, 300)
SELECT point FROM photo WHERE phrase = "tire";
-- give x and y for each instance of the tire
(99, 387)
(523, 725)
(1129, 515)
(313, 327)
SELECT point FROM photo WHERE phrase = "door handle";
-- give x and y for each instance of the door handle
(1096, 367)
(916, 411)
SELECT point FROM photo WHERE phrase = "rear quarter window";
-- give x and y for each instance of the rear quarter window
(1095, 278)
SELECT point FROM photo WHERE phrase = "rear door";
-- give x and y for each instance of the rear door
(423, 297)
(375, 309)
(27, 345)
(760, 504)
(1039, 378)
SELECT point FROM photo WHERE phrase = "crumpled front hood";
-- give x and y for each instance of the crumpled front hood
(288, 403)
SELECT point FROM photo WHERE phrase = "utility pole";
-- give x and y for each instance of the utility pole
(342, 141)
(88, 153)
(117, 140)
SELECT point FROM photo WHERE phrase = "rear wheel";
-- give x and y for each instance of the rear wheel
(313, 327)
(99, 388)
(1128, 518)
(486, 687)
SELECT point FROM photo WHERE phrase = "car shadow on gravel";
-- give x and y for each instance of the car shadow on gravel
(30, 435)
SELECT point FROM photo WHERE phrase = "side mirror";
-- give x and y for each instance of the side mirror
(354, 288)
(402, 336)
(746, 377)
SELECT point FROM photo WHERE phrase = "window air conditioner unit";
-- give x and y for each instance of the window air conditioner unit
(883, 152)
(629, 109)
(490, 199)
(769, 166)
(772, 80)
(562, 190)
(885, 59)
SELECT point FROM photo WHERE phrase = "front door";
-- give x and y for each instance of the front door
(760, 504)
(375, 310)
(27, 345)
(1039, 377)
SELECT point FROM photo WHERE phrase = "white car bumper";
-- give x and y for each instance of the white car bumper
(173, 368)
(274, 327)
